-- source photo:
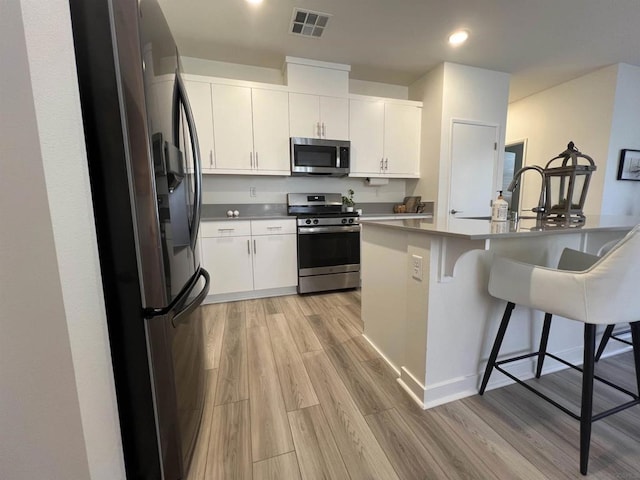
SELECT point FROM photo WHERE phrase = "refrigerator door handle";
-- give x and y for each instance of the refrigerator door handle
(180, 96)
(186, 310)
(178, 306)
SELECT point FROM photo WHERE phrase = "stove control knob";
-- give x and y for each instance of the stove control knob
(344, 220)
(315, 221)
(307, 221)
(351, 220)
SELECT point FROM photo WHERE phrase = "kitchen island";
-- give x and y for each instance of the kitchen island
(426, 308)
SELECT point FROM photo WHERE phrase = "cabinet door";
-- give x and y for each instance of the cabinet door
(366, 131)
(228, 260)
(275, 263)
(304, 115)
(200, 100)
(334, 118)
(232, 127)
(402, 139)
(271, 130)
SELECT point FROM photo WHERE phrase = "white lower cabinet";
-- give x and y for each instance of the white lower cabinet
(274, 261)
(245, 256)
(228, 260)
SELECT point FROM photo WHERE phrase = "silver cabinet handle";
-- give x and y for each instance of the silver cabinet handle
(324, 134)
(274, 228)
(226, 229)
(211, 158)
(318, 129)
(254, 246)
(248, 247)
(256, 159)
(454, 211)
(381, 164)
(386, 164)
(251, 159)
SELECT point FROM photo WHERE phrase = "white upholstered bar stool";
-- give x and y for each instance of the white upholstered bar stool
(604, 293)
(608, 332)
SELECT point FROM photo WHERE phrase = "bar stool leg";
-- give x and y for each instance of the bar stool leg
(635, 339)
(496, 345)
(586, 414)
(603, 342)
(542, 351)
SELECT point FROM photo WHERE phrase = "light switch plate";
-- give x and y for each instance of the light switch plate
(416, 267)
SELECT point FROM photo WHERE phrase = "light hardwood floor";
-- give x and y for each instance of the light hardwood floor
(295, 392)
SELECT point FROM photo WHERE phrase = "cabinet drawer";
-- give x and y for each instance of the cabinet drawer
(231, 228)
(273, 227)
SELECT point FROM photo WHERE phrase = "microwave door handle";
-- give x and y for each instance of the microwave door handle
(181, 97)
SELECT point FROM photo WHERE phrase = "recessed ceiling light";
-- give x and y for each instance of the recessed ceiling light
(458, 37)
(254, 2)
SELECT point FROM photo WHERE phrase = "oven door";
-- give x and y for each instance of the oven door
(328, 249)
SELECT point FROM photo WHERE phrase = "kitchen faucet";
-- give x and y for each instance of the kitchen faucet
(540, 209)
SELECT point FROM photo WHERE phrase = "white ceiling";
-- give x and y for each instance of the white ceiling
(541, 43)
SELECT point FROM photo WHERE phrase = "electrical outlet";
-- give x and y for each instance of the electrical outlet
(252, 191)
(416, 267)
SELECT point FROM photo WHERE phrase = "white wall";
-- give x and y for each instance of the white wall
(623, 197)
(57, 402)
(580, 110)
(429, 89)
(467, 93)
(235, 188)
(377, 89)
(212, 68)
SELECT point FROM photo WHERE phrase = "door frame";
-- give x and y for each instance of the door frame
(497, 160)
(520, 187)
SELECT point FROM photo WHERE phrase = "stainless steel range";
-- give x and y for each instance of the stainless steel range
(328, 242)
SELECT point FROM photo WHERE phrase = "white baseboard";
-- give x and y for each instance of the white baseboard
(232, 297)
(432, 395)
(384, 357)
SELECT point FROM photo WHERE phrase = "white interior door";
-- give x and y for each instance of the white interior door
(473, 169)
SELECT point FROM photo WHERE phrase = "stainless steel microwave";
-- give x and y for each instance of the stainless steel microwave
(314, 156)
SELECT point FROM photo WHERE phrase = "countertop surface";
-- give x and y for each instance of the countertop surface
(271, 211)
(480, 229)
(371, 216)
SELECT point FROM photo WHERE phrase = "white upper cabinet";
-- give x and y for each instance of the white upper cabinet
(199, 94)
(232, 127)
(385, 139)
(314, 116)
(244, 128)
(334, 115)
(241, 130)
(366, 128)
(402, 139)
(271, 130)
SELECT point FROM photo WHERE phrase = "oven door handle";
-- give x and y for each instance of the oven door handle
(331, 229)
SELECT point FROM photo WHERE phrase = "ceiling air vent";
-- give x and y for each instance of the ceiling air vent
(308, 23)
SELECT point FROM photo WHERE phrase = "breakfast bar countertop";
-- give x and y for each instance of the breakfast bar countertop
(482, 228)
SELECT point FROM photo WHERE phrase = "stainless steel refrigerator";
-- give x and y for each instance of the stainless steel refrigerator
(146, 182)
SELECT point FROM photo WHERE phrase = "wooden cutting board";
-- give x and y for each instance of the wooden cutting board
(412, 203)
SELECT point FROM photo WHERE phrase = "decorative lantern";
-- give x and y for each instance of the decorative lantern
(566, 186)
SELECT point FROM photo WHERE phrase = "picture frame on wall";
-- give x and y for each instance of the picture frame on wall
(629, 168)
